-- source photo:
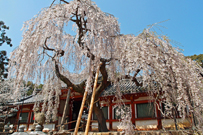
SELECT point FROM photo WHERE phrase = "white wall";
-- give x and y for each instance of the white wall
(115, 124)
(49, 126)
(146, 124)
(95, 125)
(169, 123)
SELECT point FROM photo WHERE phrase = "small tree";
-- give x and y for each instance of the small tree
(198, 58)
(3, 57)
(47, 52)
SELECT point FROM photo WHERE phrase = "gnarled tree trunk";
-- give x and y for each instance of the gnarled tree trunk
(80, 89)
(100, 118)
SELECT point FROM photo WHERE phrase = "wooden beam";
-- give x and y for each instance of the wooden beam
(65, 108)
(110, 114)
(80, 113)
(92, 101)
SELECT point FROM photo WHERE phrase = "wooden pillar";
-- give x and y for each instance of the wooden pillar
(70, 114)
(110, 115)
(133, 109)
(29, 117)
(18, 117)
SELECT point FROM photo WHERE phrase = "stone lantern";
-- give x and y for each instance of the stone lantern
(20, 131)
(38, 131)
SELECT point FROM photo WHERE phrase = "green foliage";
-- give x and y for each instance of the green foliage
(198, 58)
(3, 58)
(3, 63)
(32, 86)
(3, 37)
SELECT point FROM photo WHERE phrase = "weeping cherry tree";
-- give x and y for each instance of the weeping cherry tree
(51, 52)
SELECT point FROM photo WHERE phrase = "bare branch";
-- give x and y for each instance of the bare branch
(52, 3)
(65, 1)
(134, 79)
(46, 47)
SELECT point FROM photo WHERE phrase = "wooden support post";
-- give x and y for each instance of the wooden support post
(80, 113)
(110, 114)
(29, 117)
(65, 109)
(133, 111)
(92, 102)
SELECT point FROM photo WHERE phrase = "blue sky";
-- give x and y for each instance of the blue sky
(184, 28)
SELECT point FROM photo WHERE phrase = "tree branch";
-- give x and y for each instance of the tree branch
(82, 26)
(46, 47)
(52, 4)
(65, 1)
(78, 88)
(105, 83)
(134, 79)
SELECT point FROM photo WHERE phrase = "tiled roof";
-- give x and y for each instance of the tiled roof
(126, 86)
(8, 115)
(30, 99)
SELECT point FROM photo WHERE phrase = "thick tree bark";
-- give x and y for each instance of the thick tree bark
(174, 118)
(80, 88)
(100, 118)
(97, 110)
